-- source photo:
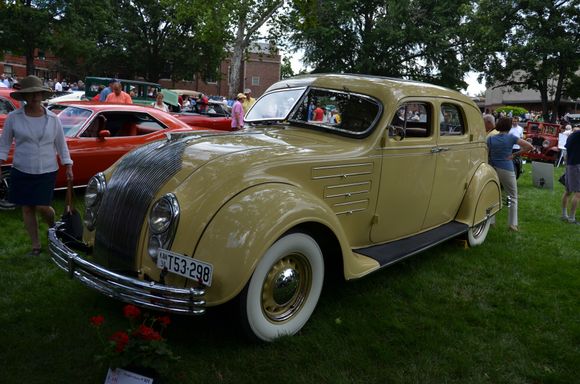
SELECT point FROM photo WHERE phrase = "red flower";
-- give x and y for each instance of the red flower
(121, 339)
(147, 333)
(131, 311)
(97, 321)
(164, 320)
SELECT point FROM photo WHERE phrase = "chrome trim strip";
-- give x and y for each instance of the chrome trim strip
(347, 194)
(343, 166)
(145, 294)
(343, 175)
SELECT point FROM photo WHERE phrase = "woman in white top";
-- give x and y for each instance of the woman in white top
(38, 137)
(159, 104)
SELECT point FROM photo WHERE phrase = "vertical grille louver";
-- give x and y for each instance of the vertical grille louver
(130, 191)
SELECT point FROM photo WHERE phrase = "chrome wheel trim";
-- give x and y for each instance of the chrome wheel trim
(286, 287)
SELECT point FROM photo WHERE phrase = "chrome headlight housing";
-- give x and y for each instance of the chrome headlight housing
(546, 143)
(93, 196)
(163, 219)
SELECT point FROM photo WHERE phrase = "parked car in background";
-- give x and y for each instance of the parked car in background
(70, 96)
(98, 134)
(215, 117)
(7, 104)
(262, 215)
(544, 138)
(142, 92)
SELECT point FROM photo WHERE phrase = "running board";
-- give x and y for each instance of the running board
(389, 253)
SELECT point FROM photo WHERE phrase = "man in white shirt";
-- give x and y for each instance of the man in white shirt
(3, 81)
(517, 131)
(57, 86)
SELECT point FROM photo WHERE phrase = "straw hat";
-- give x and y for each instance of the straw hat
(31, 84)
(241, 96)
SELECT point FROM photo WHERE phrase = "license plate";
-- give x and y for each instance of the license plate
(185, 266)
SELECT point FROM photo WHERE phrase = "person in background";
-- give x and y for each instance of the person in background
(238, 112)
(500, 157)
(118, 95)
(98, 95)
(489, 122)
(105, 92)
(572, 192)
(57, 86)
(38, 137)
(249, 100)
(159, 104)
(318, 113)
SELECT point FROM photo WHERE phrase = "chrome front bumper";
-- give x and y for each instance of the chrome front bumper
(145, 294)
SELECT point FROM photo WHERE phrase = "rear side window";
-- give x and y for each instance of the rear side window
(451, 121)
(344, 112)
(414, 118)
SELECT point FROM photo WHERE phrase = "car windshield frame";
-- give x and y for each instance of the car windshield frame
(83, 115)
(300, 91)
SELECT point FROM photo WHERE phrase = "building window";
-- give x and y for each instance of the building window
(8, 70)
(210, 78)
(255, 80)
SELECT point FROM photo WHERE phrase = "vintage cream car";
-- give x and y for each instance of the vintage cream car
(197, 220)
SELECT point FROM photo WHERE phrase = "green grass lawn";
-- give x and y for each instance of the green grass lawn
(505, 312)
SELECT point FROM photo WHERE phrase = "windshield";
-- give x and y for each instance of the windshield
(73, 119)
(275, 105)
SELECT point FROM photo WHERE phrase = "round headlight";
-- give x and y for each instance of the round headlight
(162, 214)
(546, 143)
(94, 190)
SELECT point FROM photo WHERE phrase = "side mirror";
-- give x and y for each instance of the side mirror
(104, 133)
(396, 132)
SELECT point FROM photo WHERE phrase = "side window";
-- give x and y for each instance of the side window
(5, 107)
(451, 121)
(414, 118)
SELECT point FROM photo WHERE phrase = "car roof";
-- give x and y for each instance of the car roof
(377, 86)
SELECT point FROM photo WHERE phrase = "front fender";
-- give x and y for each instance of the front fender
(245, 227)
(483, 196)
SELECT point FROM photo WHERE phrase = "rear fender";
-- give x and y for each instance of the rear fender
(483, 197)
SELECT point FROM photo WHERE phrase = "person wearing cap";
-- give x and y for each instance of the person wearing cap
(105, 92)
(38, 137)
(238, 112)
(249, 100)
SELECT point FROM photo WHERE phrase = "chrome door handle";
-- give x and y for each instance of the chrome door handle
(435, 150)
(443, 149)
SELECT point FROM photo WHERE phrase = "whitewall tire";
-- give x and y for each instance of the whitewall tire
(476, 235)
(284, 289)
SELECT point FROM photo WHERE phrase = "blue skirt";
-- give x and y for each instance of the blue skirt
(30, 189)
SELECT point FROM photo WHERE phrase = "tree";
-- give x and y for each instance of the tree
(527, 44)
(26, 26)
(247, 17)
(88, 45)
(419, 39)
(286, 71)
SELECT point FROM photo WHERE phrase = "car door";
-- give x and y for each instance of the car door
(408, 168)
(93, 154)
(452, 155)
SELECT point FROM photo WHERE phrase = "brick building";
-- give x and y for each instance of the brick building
(260, 70)
(15, 66)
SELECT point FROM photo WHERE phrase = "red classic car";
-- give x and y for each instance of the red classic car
(544, 138)
(7, 104)
(216, 117)
(98, 134)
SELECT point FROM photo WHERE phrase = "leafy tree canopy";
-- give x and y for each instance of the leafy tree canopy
(418, 39)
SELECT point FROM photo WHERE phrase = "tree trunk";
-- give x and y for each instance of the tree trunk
(237, 57)
(29, 61)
